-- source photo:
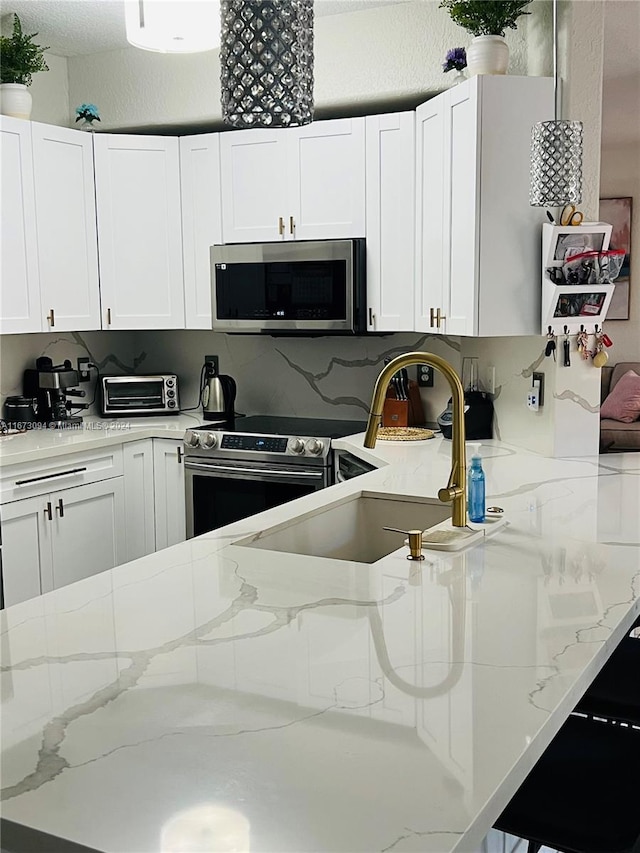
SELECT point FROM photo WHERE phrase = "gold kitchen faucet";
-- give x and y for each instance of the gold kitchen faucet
(456, 489)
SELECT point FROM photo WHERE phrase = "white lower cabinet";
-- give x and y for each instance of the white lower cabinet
(26, 547)
(169, 495)
(140, 531)
(61, 537)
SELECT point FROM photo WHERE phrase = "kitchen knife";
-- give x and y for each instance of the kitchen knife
(405, 383)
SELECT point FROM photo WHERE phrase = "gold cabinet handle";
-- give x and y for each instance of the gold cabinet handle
(47, 512)
(292, 225)
(60, 507)
(51, 317)
(439, 317)
(432, 317)
(280, 226)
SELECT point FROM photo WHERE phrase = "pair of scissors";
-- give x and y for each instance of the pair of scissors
(571, 216)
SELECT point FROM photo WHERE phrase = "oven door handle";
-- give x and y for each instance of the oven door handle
(232, 469)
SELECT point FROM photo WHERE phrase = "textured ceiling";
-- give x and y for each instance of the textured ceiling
(76, 27)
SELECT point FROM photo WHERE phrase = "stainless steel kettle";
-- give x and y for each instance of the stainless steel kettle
(218, 396)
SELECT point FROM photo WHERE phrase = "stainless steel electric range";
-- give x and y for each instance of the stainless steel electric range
(234, 471)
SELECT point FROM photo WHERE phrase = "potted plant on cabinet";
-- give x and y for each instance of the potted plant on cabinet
(19, 59)
(487, 21)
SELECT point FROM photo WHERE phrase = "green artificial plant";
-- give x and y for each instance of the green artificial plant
(485, 17)
(19, 57)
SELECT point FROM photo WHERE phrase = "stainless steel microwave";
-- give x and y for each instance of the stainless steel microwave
(302, 286)
(140, 395)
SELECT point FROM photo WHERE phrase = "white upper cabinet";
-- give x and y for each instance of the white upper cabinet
(296, 183)
(253, 176)
(326, 180)
(478, 239)
(66, 224)
(430, 250)
(139, 231)
(390, 224)
(201, 222)
(19, 284)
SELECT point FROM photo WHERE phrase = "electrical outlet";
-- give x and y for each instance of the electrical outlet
(213, 361)
(539, 378)
(425, 376)
(83, 369)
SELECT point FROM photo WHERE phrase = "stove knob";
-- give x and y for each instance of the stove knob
(191, 439)
(297, 445)
(315, 447)
(209, 440)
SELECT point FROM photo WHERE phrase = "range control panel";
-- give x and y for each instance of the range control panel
(267, 444)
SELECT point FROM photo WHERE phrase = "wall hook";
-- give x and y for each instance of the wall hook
(566, 330)
(581, 327)
(596, 328)
(549, 330)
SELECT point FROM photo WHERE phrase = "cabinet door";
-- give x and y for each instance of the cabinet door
(390, 168)
(201, 222)
(26, 548)
(20, 288)
(140, 527)
(168, 469)
(66, 220)
(139, 231)
(254, 193)
(88, 532)
(326, 180)
(430, 231)
(461, 208)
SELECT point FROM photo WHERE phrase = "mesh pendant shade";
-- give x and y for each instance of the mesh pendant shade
(556, 163)
(266, 63)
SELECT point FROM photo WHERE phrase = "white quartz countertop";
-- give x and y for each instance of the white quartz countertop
(92, 434)
(215, 696)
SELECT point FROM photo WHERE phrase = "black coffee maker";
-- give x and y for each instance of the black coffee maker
(478, 406)
(50, 385)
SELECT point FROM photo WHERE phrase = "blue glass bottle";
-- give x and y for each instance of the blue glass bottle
(475, 490)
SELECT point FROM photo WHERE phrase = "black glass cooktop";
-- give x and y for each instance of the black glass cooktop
(274, 425)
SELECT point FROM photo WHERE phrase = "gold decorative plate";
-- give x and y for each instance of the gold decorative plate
(404, 433)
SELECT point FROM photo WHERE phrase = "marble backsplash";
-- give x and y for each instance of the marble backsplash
(112, 352)
(333, 377)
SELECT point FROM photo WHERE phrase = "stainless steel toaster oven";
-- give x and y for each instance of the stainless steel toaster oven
(140, 395)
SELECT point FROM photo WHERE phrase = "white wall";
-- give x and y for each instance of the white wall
(372, 56)
(620, 160)
(50, 93)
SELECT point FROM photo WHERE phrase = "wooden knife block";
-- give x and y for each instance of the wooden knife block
(402, 413)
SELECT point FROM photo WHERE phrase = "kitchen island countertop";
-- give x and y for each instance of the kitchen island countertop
(277, 702)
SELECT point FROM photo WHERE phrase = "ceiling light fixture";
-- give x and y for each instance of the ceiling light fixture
(266, 63)
(556, 151)
(173, 26)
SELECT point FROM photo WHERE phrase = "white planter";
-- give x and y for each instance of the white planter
(15, 100)
(487, 55)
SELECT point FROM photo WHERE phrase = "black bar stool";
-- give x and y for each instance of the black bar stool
(582, 795)
(615, 693)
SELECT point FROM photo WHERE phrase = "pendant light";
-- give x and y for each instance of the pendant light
(266, 63)
(173, 26)
(556, 151)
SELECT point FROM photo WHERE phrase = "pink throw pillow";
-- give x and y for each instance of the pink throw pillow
(623, 403)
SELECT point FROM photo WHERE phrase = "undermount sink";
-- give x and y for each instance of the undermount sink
(352, 529)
